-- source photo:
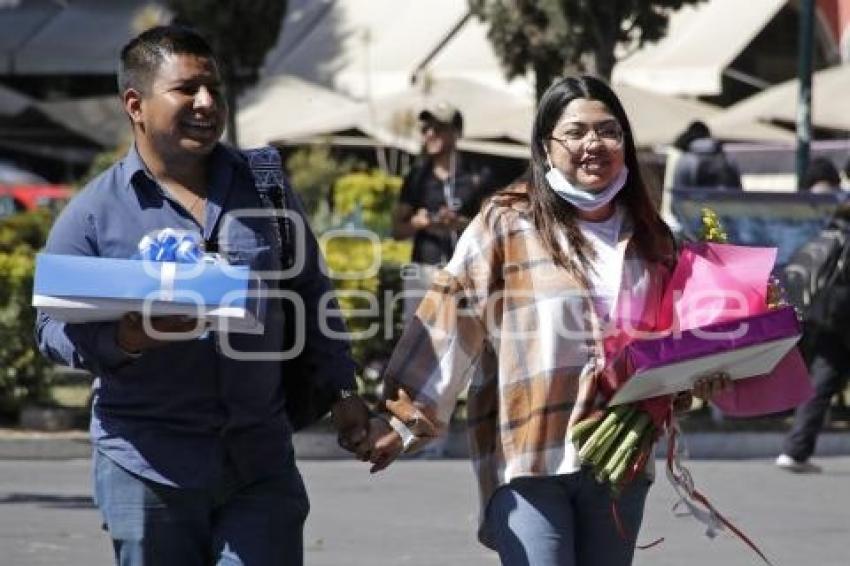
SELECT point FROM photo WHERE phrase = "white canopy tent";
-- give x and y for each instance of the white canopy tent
(288, 108)
(12, 102)
(657, 119)
(339, 64)
(361, 48)
(343, 66)
(65, 37)
(291, 109)
(469, 55)
(101, 119)
(29, 128)
(702, 41)
(779, 103)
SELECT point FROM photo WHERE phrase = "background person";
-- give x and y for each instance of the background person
(824, 342)
(822, 176)
(703, 163)
(846, 171)
(193, 458)
(695, 130)
(510, 315)
(438, 197)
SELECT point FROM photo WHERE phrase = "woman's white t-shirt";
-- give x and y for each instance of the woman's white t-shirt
(607, 268)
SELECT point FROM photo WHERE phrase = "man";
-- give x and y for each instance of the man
(438, 198)
(703, 163)
(193, 458)
(826, 317)
(822, 176)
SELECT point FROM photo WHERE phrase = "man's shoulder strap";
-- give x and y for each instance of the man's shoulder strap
(266, 167)
(273, 189)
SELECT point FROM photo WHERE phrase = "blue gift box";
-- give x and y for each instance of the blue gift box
(87, 289)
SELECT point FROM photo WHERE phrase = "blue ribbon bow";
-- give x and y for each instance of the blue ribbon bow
(171, 245)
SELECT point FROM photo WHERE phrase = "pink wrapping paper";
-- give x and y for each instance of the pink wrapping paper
(787, 386)
(716, 283)
(720, 282)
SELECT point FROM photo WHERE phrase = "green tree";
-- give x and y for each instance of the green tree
(549, 37)
(25, 376)
(373, 194)
(241, 33)
(313, 172)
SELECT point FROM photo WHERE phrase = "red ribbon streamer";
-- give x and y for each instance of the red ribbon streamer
(695, 495)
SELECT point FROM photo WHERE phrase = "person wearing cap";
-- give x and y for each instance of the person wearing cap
(438, 198)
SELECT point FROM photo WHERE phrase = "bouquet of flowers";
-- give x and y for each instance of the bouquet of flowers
(713, 283)
(616, 444)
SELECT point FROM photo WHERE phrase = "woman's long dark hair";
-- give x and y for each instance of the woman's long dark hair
(551, 214)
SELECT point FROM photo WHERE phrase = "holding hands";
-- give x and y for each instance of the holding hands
(350, 417)
(386, 443)
(384, 437)
(403, 427)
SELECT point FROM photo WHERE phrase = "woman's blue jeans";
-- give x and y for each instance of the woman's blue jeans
(564, 520)
(231, 524)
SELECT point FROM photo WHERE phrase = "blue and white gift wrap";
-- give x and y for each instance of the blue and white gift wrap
(169, 276)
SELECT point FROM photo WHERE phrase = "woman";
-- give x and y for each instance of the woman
(522, 314)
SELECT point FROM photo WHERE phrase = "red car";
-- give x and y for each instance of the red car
(22, 198)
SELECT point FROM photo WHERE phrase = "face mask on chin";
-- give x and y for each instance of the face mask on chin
(581, 198)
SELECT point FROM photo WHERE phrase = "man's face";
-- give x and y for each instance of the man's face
(437, 138)
(184, 110)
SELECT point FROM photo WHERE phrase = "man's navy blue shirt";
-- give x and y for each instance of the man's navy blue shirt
(174, 414)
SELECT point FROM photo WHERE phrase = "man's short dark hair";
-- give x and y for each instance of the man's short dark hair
(143, 55)
(695, 130)
(822, 170)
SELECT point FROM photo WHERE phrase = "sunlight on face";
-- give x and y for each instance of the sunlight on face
(587, 144)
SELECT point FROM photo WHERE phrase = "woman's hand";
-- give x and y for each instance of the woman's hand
(386, 444)
(707, 387)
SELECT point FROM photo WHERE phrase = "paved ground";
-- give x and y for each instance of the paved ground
(322, 445)
(422, 513)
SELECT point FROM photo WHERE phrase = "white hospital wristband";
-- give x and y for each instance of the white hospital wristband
(407, 436)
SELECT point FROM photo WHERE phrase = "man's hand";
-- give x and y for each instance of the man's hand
(421, 219)
(450, 220)
(386, 444)
(351, 420)
(131, 336)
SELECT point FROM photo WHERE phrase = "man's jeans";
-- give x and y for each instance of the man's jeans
(259, 524)
(829, 368)
(564, 521)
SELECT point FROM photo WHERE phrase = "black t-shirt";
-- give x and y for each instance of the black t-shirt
(422, 189)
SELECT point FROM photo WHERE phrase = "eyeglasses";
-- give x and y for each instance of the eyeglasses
(429, 126)
(609, 133)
